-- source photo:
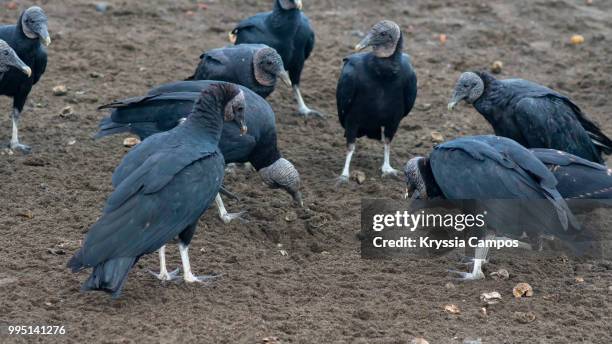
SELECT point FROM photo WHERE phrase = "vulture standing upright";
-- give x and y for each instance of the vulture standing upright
(288, 31)
(162, 187)
(25, 38)
(375, 91)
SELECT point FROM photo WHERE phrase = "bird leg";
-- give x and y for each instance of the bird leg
(304, 110)
(480, 257)
(224, 215)
(344, 177)
(15, 145)
(188, 275)
(386, 168)
(163, 274)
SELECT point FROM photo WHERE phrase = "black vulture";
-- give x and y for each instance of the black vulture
(585, 182)
(9, 59)
(165, 106)
(375, 91)
(255, 66)
(532, 115)
(162, 187)
(516, 189)
(288, 31)
(25, 38)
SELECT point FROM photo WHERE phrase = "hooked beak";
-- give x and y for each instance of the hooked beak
(243, 127)
(27, 70)
(44, 36)
(284, 76)
(454, 101)
(411, 190)
(365, 42)
(19, 64)
(298, 4)
(297, 199)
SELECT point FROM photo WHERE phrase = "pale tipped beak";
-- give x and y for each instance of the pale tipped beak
(284, 76)
(27, 70)
(297, 198)
(298, 4)
(46, 40)
(452, 105)
(365, 42)
(243, 128)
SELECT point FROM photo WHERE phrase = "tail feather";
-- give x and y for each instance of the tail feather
(110, 276)
(108, 127)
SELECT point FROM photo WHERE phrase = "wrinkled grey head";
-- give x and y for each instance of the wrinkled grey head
(469, 87)
(290, 4)
(282, 174)
(8, 59)
(235, 110)
(415, 183)
(34, 24)
(382, 37)
(267, 66)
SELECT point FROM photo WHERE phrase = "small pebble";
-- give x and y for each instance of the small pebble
(522, 289)
(577, 39)
(496, 67)
(66, 111)
(102, 7)
(452, 309)
(524, 318)
(359, 177)
(131, 142)
(437, 136)
(419, 340)
(60, 90)
(501, 274)
(491, 298)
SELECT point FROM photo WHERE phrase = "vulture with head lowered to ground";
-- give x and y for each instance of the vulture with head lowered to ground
(515, 190)
(167, 105)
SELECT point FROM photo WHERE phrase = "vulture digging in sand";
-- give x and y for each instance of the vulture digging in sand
(167, 105)
(162, 187)
(376, 90)
(255, 66)
(511, 182)
(532, 115)
(288, 31)
(25, 38)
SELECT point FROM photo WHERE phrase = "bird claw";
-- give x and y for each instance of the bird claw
(201, 279)
(229, 217)
(467, 276)
(342, 180)
(390, 172)
(167, 276)
(310, 113)
(23, 149)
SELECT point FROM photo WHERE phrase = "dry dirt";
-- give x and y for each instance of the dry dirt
(322, 291)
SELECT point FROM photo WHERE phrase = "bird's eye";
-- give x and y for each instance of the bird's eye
(6, 53)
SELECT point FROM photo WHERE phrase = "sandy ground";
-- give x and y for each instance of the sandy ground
(322, 291)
